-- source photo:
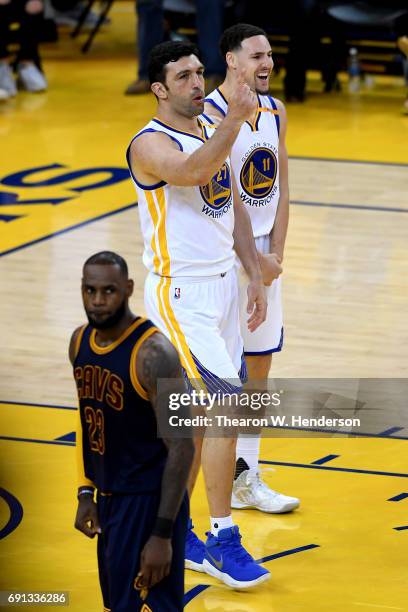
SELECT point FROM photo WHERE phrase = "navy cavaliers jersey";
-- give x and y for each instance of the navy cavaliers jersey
(121, 450)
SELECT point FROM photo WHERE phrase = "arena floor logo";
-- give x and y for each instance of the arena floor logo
(31, 198)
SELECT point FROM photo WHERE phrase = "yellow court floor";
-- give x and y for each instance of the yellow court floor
(65, 194)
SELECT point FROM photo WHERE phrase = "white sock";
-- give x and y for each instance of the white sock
(248, 449)
(222, 522)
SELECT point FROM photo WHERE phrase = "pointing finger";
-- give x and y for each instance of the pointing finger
(240, 76)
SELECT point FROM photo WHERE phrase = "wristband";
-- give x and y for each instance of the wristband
(163, 528)
(85, 492)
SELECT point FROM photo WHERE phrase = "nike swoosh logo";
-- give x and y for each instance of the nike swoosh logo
(218, 564)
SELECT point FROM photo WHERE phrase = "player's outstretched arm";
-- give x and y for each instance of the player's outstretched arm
(157, 359)
(244, 245)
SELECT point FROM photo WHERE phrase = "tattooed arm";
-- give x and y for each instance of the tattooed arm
(157, 359)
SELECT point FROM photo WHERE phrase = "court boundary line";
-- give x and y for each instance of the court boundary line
(348, 206)
(199, 588)
(16, 513)
(33, 440)
(25, 245)
(352, 434)
(56, 406)
(382, 436)
(343, 160)
(312, 466)
(295, 202)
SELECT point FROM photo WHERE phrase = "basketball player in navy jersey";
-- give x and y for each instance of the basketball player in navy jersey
(141, 509)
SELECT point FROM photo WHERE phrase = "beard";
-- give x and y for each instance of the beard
(263, 91)
(110, 321)
(188, 109)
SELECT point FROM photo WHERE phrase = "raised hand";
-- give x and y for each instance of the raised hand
(243, 102)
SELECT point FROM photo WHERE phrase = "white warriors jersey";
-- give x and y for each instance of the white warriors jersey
(254, 160)
(187, 231)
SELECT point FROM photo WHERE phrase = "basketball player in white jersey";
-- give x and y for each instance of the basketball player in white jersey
(192, 226)
(260, 165)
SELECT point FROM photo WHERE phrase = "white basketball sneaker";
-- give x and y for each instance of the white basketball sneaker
(7, 82)
(249, 491)
(31, 78)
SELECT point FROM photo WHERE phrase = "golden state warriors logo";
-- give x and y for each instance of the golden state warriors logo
(217, 194)
(258, 174)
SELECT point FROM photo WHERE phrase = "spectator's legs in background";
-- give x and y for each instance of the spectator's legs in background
(307, 24)
(150, 32)
(300, 40)
(210, 25)
(401, 31)
(7, 83)
(30, 76)
(332, 55)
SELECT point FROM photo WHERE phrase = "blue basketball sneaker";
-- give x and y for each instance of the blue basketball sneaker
(226, 559)
(194, 551)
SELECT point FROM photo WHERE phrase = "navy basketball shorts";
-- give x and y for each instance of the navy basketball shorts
(126, 522)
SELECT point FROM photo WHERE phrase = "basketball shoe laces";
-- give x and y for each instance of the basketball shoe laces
(236, 550)
(263, 488)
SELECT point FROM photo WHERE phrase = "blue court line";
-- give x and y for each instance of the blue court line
(399, 497)
(349, 161)
(69, 437)
(128, 207)
(283, 463)
(68, 229)
(16, 513)
(349, 206)
(325, 459)
(355, 434)
(285, 553)
(403, 528)
(13, 439)
(199, 588)
(194, 592)
(335, 469)
(389, 432)
(313, 429)
(38, 405)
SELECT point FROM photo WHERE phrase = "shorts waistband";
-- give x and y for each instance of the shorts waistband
(188, 280)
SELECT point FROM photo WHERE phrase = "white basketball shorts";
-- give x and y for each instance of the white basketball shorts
(200, 316)
(268, 337)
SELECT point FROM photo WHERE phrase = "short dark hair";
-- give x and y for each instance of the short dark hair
(166, 52)
(232, 37)
(108, 258)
